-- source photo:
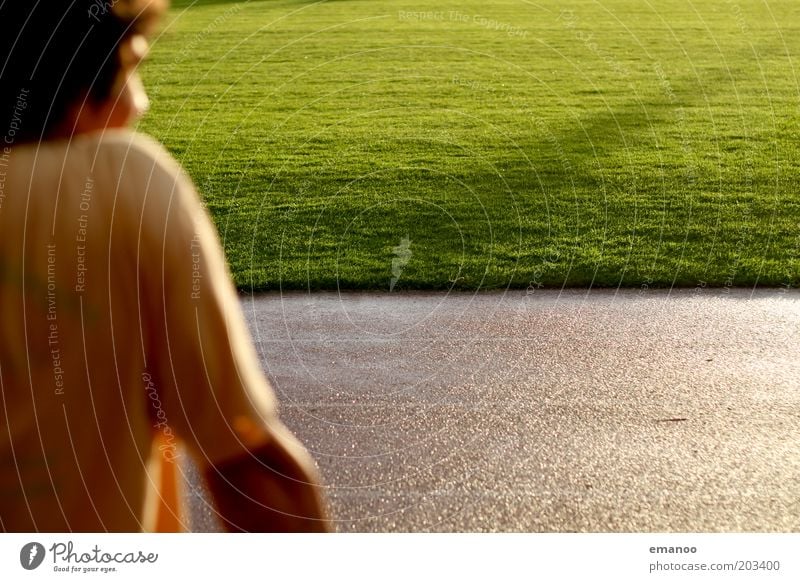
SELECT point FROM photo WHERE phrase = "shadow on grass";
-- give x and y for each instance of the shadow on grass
(600, 202)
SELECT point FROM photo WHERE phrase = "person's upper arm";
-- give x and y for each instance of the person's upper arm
(199, 351)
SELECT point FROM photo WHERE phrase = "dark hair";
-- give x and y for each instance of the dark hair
(55, 52)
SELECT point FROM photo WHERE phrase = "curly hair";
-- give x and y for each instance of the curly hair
(54, 53)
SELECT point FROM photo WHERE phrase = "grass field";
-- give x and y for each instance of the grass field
(365, 144)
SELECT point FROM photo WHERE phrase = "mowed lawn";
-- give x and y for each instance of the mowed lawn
(473, 144)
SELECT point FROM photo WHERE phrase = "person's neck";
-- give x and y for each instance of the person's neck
(87, 118)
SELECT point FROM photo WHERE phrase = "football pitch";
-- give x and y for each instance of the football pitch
(362, 144)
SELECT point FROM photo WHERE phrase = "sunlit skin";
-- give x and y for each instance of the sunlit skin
(273, 486)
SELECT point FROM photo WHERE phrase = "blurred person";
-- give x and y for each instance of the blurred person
(122, 341)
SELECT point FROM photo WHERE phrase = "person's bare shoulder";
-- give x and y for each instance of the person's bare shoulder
(142, 172)
(124, 147)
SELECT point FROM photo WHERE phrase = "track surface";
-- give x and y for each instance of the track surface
(550, 411)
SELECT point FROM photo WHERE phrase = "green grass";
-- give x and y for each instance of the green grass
(618, 142)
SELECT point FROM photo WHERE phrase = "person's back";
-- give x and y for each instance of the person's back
(121, 335)
(70, 348)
